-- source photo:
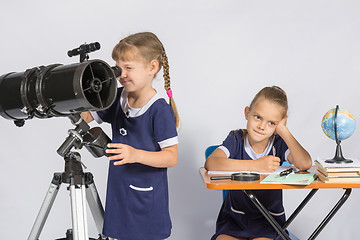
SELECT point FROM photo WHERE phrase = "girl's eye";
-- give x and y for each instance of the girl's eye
(257, 117)
(272, 123)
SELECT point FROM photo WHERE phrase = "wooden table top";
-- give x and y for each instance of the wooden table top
(248, 185)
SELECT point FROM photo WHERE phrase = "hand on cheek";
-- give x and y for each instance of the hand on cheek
(281, 125)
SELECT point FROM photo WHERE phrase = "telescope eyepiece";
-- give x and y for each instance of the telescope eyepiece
(117, 71)
(84, 48)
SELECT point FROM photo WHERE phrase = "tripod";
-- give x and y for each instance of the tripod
(80, 184)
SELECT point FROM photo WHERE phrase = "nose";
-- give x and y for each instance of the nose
(262, 125)
(123, 74)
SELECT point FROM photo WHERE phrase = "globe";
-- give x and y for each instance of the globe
(345, 124)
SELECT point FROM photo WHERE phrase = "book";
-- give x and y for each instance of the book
(292, 179)
(338, 174)
(327, 168)
(338, 179)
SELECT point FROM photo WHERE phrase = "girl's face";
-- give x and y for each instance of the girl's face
(136, 75)
(262, 120)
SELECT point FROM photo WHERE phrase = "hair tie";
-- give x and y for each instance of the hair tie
(169, 93)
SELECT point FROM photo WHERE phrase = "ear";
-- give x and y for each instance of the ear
(154, 67)
(246, 112)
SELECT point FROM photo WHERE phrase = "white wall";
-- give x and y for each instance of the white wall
(221, 53)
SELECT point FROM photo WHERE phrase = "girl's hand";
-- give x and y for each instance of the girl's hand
(123, 152)
(267, 164)
(281, 126)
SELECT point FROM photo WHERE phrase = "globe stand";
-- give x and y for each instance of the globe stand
(338, 158)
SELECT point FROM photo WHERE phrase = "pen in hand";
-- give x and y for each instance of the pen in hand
(285, 172)
(274, 151)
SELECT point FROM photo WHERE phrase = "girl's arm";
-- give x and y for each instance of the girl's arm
(165, 158)
(87, 117)
(298, 155)
(218, 161)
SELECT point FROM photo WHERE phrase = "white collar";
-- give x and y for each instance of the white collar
(135, 112)
(252, 154)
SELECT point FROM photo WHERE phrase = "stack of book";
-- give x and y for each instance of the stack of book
(338, 173)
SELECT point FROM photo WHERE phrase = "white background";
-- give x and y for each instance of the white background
(220, 53)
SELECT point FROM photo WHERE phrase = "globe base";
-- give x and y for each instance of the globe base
(339, 158)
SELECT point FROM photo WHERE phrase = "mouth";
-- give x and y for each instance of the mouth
(258, 133)
(124, 81)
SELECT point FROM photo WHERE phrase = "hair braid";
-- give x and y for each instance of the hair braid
(166, 75)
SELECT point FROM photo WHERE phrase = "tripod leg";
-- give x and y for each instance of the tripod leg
(94, 202)
(45, 207)
(78, 210)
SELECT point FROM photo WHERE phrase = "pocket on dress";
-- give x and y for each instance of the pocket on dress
(239, 217)
(279, 217)
(140, 199)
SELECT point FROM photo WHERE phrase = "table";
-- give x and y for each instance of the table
(247, 186)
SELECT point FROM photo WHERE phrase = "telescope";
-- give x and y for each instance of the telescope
(63, 91)
(57, 90)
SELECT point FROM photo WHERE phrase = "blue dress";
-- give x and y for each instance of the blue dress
(137, 205)
(238, 216)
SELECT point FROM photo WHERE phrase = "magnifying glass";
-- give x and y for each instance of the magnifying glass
(239, 177)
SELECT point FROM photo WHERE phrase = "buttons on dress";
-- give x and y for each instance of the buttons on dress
(123, 131)
(127, 113)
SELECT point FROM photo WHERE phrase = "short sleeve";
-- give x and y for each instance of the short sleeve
(232, 144)
(109, 114)
(165, 132)
(104, 116)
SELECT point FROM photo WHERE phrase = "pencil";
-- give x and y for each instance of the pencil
(274, 152)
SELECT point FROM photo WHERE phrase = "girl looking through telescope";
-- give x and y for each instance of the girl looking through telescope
(144, 143)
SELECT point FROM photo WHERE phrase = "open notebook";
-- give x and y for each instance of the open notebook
(292, 179)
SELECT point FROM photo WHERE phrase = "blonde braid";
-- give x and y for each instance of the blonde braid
(164, 61)
(166, 75)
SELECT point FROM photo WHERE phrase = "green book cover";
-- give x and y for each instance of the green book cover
(293, 179)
